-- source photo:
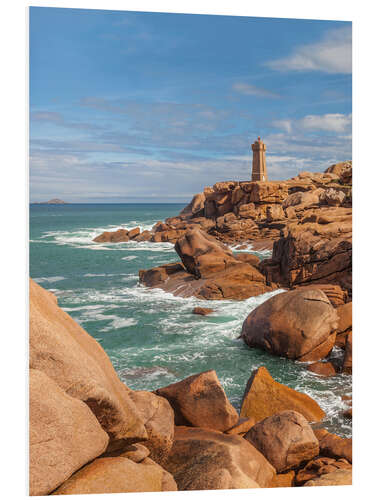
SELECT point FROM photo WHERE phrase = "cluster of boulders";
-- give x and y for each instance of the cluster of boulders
(208, 270)
(90, 433)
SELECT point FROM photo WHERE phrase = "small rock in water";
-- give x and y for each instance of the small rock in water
(203, 311)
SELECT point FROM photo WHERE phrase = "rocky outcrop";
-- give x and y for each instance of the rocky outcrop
(285, 439)
(208, 271)
(200, 401)
(118, 475)
(300, 324)
(63, 434)
(264, 397)
(204, 459)
(67, 354)
(315, 249)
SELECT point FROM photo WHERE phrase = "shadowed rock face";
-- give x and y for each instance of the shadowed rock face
(319, 467)
(200, 401)
(300, 324)
(264, 397)
(64, 434)
(118, 475)
(285, 439)
(61, 349)
(203, 459)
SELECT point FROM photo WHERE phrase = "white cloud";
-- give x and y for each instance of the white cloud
(330, 122)
(333, 54)
(247, 89)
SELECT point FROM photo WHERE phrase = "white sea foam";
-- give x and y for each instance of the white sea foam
(118, 323)
(50, 279)
(129, 257)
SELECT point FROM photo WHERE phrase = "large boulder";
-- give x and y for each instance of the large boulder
(204, 459)
(118, 475)
(285, 439)
(200, 401)
(299, 324)
(202, 255)
(158, 417)
(264, 397)
(63, 434)
(61, 349)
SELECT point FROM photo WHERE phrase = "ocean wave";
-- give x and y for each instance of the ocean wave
(129, 257)
(50, 279)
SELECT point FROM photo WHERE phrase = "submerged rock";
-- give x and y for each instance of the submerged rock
(202, 311)
(204, 459)
(300, 324)
(264, 397)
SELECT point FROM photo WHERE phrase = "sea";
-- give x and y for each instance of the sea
(152, 337)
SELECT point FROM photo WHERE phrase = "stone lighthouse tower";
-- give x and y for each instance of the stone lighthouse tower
(259, 172)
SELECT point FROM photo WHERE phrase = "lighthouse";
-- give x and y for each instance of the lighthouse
(259, 172)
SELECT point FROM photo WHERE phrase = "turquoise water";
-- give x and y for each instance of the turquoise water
(152, 338)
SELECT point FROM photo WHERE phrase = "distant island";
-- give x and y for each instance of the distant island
(54, 201)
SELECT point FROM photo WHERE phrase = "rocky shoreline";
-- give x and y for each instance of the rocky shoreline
(90, 433)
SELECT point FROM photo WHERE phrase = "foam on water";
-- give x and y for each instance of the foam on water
(50, 279)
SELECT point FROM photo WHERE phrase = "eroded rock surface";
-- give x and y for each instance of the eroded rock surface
(204, 459)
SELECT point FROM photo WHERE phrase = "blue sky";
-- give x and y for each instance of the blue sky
(146, 107)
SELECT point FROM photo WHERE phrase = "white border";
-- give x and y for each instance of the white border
(14, 227)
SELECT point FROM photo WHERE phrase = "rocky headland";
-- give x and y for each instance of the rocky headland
(90, 433)
(306, 221)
